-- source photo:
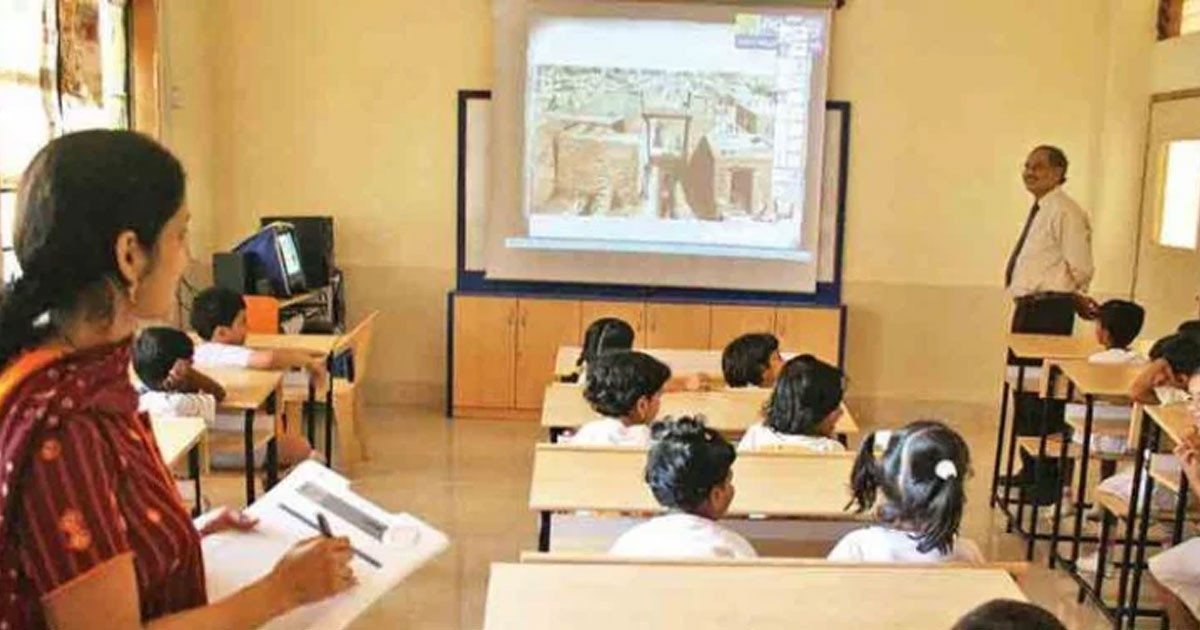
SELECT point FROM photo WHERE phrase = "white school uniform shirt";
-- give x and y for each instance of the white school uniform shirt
(1057, 253)
(884, 544)
(682, 536)
(1103, 410)
(610, 432)
(761, 436)
(198, 405)
(212, 354)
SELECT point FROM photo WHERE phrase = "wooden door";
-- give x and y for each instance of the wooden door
(484, 351)
(809, 330)
(678, 326)
(731, 322)
(542, 326)
(634, 314)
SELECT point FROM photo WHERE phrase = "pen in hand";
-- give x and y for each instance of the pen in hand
(323, 523)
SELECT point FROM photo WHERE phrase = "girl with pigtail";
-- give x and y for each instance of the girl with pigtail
(921, 476)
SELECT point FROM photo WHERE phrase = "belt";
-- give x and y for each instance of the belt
(1043, 295)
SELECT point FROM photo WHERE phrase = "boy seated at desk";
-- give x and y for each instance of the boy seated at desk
(611, 334)
(626, 389)
(219, 317)
(803, 409)
(1118, 323)
(172, 388)
(752, 360)
(689, 470)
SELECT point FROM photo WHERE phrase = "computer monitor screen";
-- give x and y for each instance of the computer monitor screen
(291, 255)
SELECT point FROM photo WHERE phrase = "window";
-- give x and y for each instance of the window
(1180, 199)
(1190, 19)
(63, 67)
(1178, 17)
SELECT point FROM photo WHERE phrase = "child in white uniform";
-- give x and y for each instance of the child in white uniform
(921, 475)
(1177, 570)
(219, 317)
(803, 409)
(752, 360)
(626, 389)
(1118, 323)
(689, 470)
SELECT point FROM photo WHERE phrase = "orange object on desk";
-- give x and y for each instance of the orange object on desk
(262, 314)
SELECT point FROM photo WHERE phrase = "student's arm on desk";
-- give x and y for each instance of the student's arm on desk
(287, 360)
(1156, 373)
(312, 570)
(198, 381)
(693, 382)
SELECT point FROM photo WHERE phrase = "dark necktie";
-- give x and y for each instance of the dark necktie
(1012, 260)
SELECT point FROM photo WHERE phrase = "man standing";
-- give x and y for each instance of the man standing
(1050, 267)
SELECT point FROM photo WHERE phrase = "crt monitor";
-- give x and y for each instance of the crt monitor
(273, 261)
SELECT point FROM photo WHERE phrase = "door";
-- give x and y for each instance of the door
(542, 326)
(1168, 269)
(484, 351)
(633, 313)
(678, 326)
(815, 331)
(731, 322)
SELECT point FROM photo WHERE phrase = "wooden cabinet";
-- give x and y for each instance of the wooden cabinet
(731, 322)
(634, 313)
(681, 326)
(815, 331)
(542, 326)
(485, 343)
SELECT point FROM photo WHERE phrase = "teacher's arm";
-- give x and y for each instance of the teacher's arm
(1075, 238)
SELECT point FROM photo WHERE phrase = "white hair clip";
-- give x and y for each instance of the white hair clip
(945, 469)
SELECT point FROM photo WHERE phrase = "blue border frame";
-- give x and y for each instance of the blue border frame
(474, 282)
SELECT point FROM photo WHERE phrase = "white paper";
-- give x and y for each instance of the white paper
(233, 560)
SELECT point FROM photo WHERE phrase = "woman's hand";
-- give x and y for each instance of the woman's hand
(227, 519)
(314, 569)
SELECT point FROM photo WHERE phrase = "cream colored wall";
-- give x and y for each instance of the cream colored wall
(1176, 64)
(348, 109)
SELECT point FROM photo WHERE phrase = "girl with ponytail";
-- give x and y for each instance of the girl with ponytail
(803, 409)
(90, 519)
(921, 477)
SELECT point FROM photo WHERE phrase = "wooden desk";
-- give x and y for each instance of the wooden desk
(680, 361)
(177, 437)
(248, 391)
(1026, 346)
(314, 344)
(729, 411)
(601, 597)
(779, 484)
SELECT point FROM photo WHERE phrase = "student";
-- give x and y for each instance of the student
(1008, 614)
(752, 360)
(610, 334)
(1174, 360)
(1191, 328)
(803, 408)
(1177, 570)
(173, 388)
(1118, 323)
(689, 470)
(219, 317)
(626, 389)
(921, 475)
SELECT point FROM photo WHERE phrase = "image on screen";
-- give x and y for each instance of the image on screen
(291, 257)
(670, 136)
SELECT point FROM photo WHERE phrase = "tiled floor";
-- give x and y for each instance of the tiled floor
(470, 479)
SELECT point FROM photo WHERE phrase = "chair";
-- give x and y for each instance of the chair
(348, 395)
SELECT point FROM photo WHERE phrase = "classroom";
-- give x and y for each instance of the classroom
(599, 314)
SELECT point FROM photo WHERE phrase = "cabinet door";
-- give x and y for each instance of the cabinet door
(815, 331)
(678, 326)
(731, 322)
(484, 351)
(542, 326)
(634, 314)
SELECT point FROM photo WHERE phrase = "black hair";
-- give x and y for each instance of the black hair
(746, 357)
(1008, 614)
(1191, 328)
(77, 196)
(215, 306)
(1180, 351)
(915, 494)
(1056, 157)
(808, 390)
(155, 352)
(1123, 320)
(617, 380)
(605, 335)
(686, 461)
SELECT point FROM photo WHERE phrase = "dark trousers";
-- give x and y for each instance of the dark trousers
(1049, 314)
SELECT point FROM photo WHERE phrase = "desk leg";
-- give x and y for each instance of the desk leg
(1145, 505)
(271, 464)
(1081, 494)
(329, 415)
(999, 442)
(1139, 462)
(1012, 454)
(1177, 530)
(1038, 466)
(248, 444)
(1063, 459)
(1106, 522)
(194, 471)
(544, 532)
(310, 414)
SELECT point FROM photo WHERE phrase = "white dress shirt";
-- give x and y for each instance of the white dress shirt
(760, 436)
(681, 536)
(884, 544)
(609, 432)
(1057, 254)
